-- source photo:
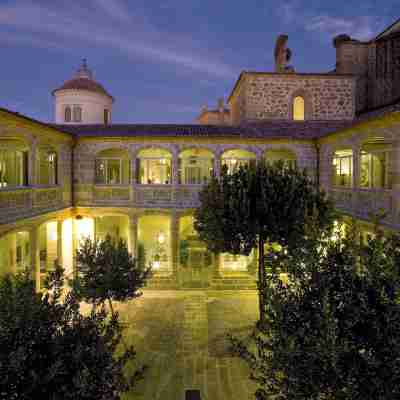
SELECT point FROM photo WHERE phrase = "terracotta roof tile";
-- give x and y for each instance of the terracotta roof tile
(274, 129)
(83, 84)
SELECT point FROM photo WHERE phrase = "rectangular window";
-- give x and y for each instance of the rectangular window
(343, 169)
(374, 170)
(195, 170)
(13, 168)
(233, 164)
(108, 171)
(47, 168)
(154, 171)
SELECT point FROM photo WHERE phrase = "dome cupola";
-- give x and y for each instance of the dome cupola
(82, 100)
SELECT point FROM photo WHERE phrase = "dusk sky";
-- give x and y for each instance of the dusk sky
(162, 60)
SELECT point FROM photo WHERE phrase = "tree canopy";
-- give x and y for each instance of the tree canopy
(108, 272)
(49, 350)
(333, 332)
(267, 203)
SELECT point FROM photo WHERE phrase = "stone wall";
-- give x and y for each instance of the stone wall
(270, 96)
(377, 67)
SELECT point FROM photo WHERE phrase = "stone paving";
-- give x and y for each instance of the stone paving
(181, 336)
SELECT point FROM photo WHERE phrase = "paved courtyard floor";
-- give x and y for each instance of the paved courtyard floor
(181, 336)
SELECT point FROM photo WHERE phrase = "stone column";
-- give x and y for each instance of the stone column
(13, 253)
(217, 261)
(35, 256)
(356, 166)
(59, 243)
(217, 163)
(32, 172)
(175, 168)
(395, 179)
(133, 232)
(174, 232)
(74, 246)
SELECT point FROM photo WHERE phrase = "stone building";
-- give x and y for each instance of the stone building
(85, 176)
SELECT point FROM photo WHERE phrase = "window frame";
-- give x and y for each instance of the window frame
(21, 157)
(68, 110)
(199, 167)
(370, 154)
(141, 161)
(335, 174)
(106, 159)
(77, 113)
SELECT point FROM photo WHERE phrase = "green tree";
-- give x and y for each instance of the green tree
(334, 330)
(50, 351)
(259, 205)
(108, 272)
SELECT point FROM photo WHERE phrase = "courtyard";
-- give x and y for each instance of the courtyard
(182, 337)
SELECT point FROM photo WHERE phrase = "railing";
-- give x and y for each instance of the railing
(115, 193)
(364, 203)
(25, 201)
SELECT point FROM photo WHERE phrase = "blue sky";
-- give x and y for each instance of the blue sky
(162, 60)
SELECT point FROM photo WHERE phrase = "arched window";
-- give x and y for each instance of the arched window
(106, 116)
(234, 159)
(154, 166)
(47, 172)
(13, 164)
(77, 114)
(112, 167)
(298, 108)
(195, 166)
(67, 114)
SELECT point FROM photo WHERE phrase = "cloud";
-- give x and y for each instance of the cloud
(363, 28)
(114, 8)
(360, 27)
(137, 40)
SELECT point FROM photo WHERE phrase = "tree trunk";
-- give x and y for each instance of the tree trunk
(111, 306)
(261, 279)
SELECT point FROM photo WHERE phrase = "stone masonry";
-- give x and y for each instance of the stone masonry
(266, 96)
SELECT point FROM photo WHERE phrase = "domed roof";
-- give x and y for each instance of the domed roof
(83, 80)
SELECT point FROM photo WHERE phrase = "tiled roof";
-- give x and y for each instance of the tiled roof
(83, 84)
(379, 111)
(272, 130)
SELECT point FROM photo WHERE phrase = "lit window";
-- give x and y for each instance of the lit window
(234, 159)
(154, 167)
(47, 168)
(298, 108)
(67, 114)
(77, 114)
(284, 156)
(343, 168)
(374, 170)
(195, 167)
(108, 171)
(13, 168)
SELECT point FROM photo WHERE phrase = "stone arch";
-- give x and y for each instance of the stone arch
(154, 165)
(236, 157)
(195, 165)
(281, 153)
(112, 166)
(14, 162)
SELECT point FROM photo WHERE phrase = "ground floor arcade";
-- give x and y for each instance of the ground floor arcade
(164, 239)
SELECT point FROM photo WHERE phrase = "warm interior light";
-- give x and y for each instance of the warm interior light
(85, 228)
(161, 238)
(156, 264)
(52, 231)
